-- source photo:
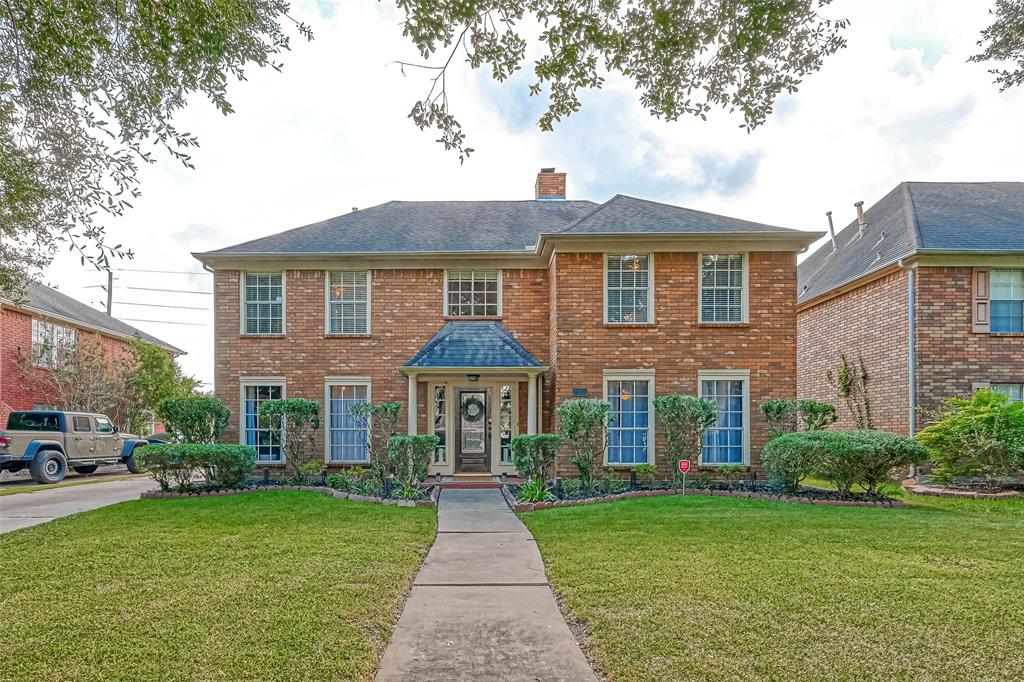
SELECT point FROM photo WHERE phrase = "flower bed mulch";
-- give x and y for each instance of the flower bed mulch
(934, 490)
(430, 500)
(807, 496)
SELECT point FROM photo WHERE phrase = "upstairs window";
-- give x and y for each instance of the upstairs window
(473, 293)
(721, 288)
(348, 302)
(264, 303)
(52, 344)
(628, 288)
(1007, 300)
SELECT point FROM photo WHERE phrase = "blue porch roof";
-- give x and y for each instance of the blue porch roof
(473, 343)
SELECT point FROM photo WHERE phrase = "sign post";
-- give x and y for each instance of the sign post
(684, 467)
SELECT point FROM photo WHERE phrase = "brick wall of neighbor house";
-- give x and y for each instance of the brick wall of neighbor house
(406, 312)
(951, 358)
(676, 347)
(870, 323)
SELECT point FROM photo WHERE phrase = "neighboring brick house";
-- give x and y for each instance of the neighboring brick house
(40, 325)
(953, 254)
(482, 316)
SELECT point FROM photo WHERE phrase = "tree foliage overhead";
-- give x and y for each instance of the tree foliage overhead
(87, 89)
(1003, 40)
(685, 56)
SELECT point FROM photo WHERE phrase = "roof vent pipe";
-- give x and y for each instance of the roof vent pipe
(861, 224)
(832, 231)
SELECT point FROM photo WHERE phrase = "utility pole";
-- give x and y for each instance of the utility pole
(110, 292)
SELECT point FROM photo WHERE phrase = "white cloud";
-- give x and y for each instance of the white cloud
(331, 132)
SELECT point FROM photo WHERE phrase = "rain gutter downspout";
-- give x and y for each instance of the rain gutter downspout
(911, 358)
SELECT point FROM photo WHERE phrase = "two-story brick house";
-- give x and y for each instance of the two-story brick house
(927, 288)
(482, 316)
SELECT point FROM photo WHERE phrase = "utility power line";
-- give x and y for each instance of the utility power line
(171, 291)
(185, 324)
(164, 272)
(157, 305)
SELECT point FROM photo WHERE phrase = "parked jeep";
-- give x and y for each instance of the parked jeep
(47, 443)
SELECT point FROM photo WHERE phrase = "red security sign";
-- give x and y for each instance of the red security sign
(684, 466)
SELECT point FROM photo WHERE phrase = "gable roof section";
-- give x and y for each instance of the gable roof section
(627, 214)
(473, 344)
(48, 301)
(915, 218)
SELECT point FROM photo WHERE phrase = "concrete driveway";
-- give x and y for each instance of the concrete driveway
(28, 509)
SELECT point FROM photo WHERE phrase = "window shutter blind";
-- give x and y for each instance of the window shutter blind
(980, 300)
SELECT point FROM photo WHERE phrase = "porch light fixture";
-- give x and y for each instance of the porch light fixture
(473, 377)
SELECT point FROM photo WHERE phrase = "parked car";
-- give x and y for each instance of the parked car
(48, 442)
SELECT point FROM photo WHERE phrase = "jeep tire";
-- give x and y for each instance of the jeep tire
(48, 466)
(129, 461)
(86, 468)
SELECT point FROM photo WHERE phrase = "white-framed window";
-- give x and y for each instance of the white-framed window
(440, 427)
(1007, 300)
(628, 288)
(630, 396)
(346, 434)
(255, 392)
(723, 288)
(263, 303)
(1015, 392)
(472, 293)
(728, 442)
(348, 302)
(507, 399)
(52, 344)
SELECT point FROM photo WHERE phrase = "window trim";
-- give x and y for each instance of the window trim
(327, 302)
(729, 375)
(243, 382)
(650, 289)
(448, 426)
(986, 290)
(241, 302)
(54, 349)
(744, 293)
(634, 375)
(444, 295)
(343, 381)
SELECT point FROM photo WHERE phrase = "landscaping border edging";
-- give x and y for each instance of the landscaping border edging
(940, 491)
(521, 507)
(322, 490)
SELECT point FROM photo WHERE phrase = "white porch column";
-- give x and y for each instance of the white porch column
(531, 405)
(412, 405)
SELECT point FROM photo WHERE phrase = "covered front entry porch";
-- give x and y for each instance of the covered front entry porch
(482, 390)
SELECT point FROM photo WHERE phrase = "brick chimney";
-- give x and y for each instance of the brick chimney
(550, 185)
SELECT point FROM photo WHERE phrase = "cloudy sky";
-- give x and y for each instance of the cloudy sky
(330, 132)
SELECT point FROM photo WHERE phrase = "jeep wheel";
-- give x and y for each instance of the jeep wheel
(129, 461)
(86, 468)
(49, 466)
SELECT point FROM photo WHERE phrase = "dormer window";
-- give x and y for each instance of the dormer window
(473, 293)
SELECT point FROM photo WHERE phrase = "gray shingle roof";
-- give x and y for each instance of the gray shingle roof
(623, 213)
(48, 300)
(919, 217)
(425, 227)
(473, 344)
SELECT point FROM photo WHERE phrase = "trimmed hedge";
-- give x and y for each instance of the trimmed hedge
(534, 455)
(195, 419)
(174, 465)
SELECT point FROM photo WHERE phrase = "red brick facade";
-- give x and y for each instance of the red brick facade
(870, 322)
(555, 312)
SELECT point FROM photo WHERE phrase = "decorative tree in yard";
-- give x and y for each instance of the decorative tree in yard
(684, 419)
(293, 422)
(381, 420)
(195, 419)
(583, 423)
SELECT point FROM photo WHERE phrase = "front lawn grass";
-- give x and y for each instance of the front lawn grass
(706, 588)
(268, 586)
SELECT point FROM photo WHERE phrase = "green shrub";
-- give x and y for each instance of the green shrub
(381, 420)
(611, 483)
(881, 452)
(344, 479)
(369, 486)
(534, 490)
(790, 458)
(684, 419)
(409, 457)
(196, 419)
(583, 423)
(784, 415)
(174, 465)
(839, 459)
(646, 474)
(816, 415)
(572, 488)
(534, 455)
(732, 473)
(978, 436)
(293, 421)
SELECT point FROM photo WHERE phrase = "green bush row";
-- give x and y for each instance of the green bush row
(174, 466)
(844, 458)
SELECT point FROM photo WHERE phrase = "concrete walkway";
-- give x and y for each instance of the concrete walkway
(29, 509)
(481, 607)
